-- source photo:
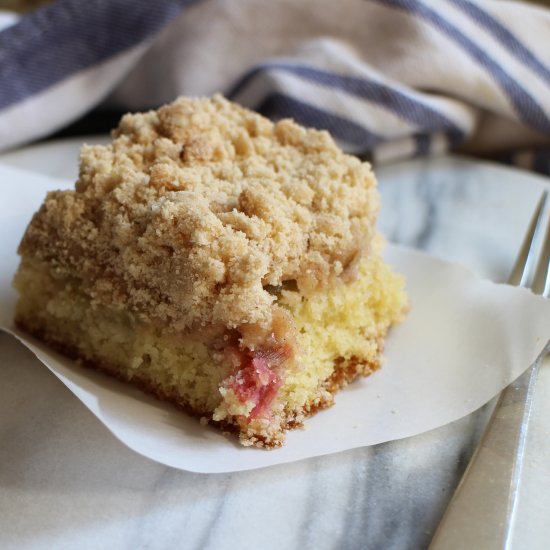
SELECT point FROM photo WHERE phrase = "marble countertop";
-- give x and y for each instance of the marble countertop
(66, 482)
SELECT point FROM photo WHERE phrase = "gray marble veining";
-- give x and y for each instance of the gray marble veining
(66, 482)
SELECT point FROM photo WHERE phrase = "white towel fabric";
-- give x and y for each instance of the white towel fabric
(388, 78)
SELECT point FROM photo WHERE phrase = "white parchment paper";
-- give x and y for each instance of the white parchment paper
(463, 341)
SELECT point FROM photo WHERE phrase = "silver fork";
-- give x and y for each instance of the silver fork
(481, 512)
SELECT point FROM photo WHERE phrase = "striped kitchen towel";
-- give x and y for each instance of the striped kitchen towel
(389, 79)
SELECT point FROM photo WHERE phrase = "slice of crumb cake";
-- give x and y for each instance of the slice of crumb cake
(220, 261)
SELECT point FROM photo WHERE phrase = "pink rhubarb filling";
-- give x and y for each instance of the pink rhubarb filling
(257, 377)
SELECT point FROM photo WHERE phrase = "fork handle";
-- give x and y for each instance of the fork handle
(481, 512)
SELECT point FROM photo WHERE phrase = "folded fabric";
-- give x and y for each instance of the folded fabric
(388, 78)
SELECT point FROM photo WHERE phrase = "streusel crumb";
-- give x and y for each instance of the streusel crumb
(195, 212)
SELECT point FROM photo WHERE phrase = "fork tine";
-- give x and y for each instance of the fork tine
(546, 291)
(527, 254)
(541, 281)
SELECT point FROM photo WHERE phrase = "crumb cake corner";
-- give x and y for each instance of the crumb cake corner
(222, 262)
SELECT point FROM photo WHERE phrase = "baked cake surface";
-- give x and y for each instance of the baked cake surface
(222, 262)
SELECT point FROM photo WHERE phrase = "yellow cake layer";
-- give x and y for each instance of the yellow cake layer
(335, 328)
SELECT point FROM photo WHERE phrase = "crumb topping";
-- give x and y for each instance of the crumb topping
(197, 211)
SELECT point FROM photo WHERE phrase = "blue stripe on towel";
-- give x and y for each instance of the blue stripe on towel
(278, 106)
(59, 40)
(527, 109)
(377, 93)
(423, 143)
(506, 38)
